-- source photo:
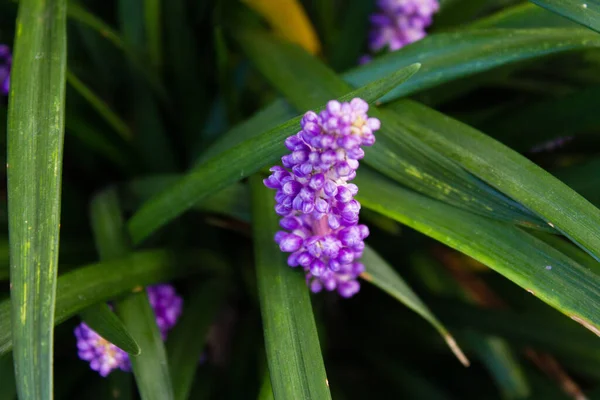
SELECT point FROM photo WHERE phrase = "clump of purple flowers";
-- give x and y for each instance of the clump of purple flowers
(5, 65)
(167, 306)
(397, 23)
(316, 200)
(105, 356)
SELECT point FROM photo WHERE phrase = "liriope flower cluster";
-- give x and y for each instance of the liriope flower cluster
(5, 66)
(104, 356)
(397, 23)
(316, 199)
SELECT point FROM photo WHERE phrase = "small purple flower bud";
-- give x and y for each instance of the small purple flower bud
(305, 259)
(333, 221)
(348, 289)
(343, 169)
(349, 236)
(330, 188)
(364, 231)
(344, 194)
(316, 286)
(290, 243)
(316, 182)
(317, 267)
(346, 256)
(290, 223)
(279, 236)
(293, 260)
(328, 157)
(291, 188)
(321, 206)
(291, 142)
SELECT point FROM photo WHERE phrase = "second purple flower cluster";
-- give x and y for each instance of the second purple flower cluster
(397, 23)
(315, 199)
(105, 356)
(5, 66)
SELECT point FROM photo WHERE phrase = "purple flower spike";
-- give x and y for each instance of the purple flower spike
(167, 306)
(316, 203)
(397, 23)
(102, 355)
(105, 356)
(5, 65)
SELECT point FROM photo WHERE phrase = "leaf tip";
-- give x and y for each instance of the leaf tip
(586, 324)
(456, 350)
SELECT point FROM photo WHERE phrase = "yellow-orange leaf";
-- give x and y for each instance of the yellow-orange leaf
(287, 18)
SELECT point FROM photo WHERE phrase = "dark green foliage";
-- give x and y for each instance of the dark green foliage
(485, 232)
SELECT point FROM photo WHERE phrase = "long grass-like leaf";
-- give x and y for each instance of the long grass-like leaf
(188, 338)
(35, 145)
(150, 368)
(585, 12)
(380, 274)
(106, 324)
(509, 172)
(103, 109)
(530, 263)
(233, 202)
(78, 13)
(291, 340)
(234, 164)
(95, 283)
(449, 56)
(403, 158)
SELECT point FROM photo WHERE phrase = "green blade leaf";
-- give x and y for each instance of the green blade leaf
(509, 172)
(448, 56)
(382, 275)
(291, 340)
(106, 324)
(530, 263)
(400, 157)
(100, 282)
(233, 202)
(153, 25)
(150, 368)
(586, 12)
(522, 16)
(78, 13)
(103, 109)
(188, 338)
(234, 164)
(35, 145)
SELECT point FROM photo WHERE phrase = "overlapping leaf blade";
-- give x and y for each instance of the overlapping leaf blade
(234, 164)
(449, 56)
(401, 157)
(150, 366)
(105, 323)
(35, 145)
(292, 344)
(530, 263)
(509, 172)
(95, 283)
(585, 12)
(380, 274)
(188, 338)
